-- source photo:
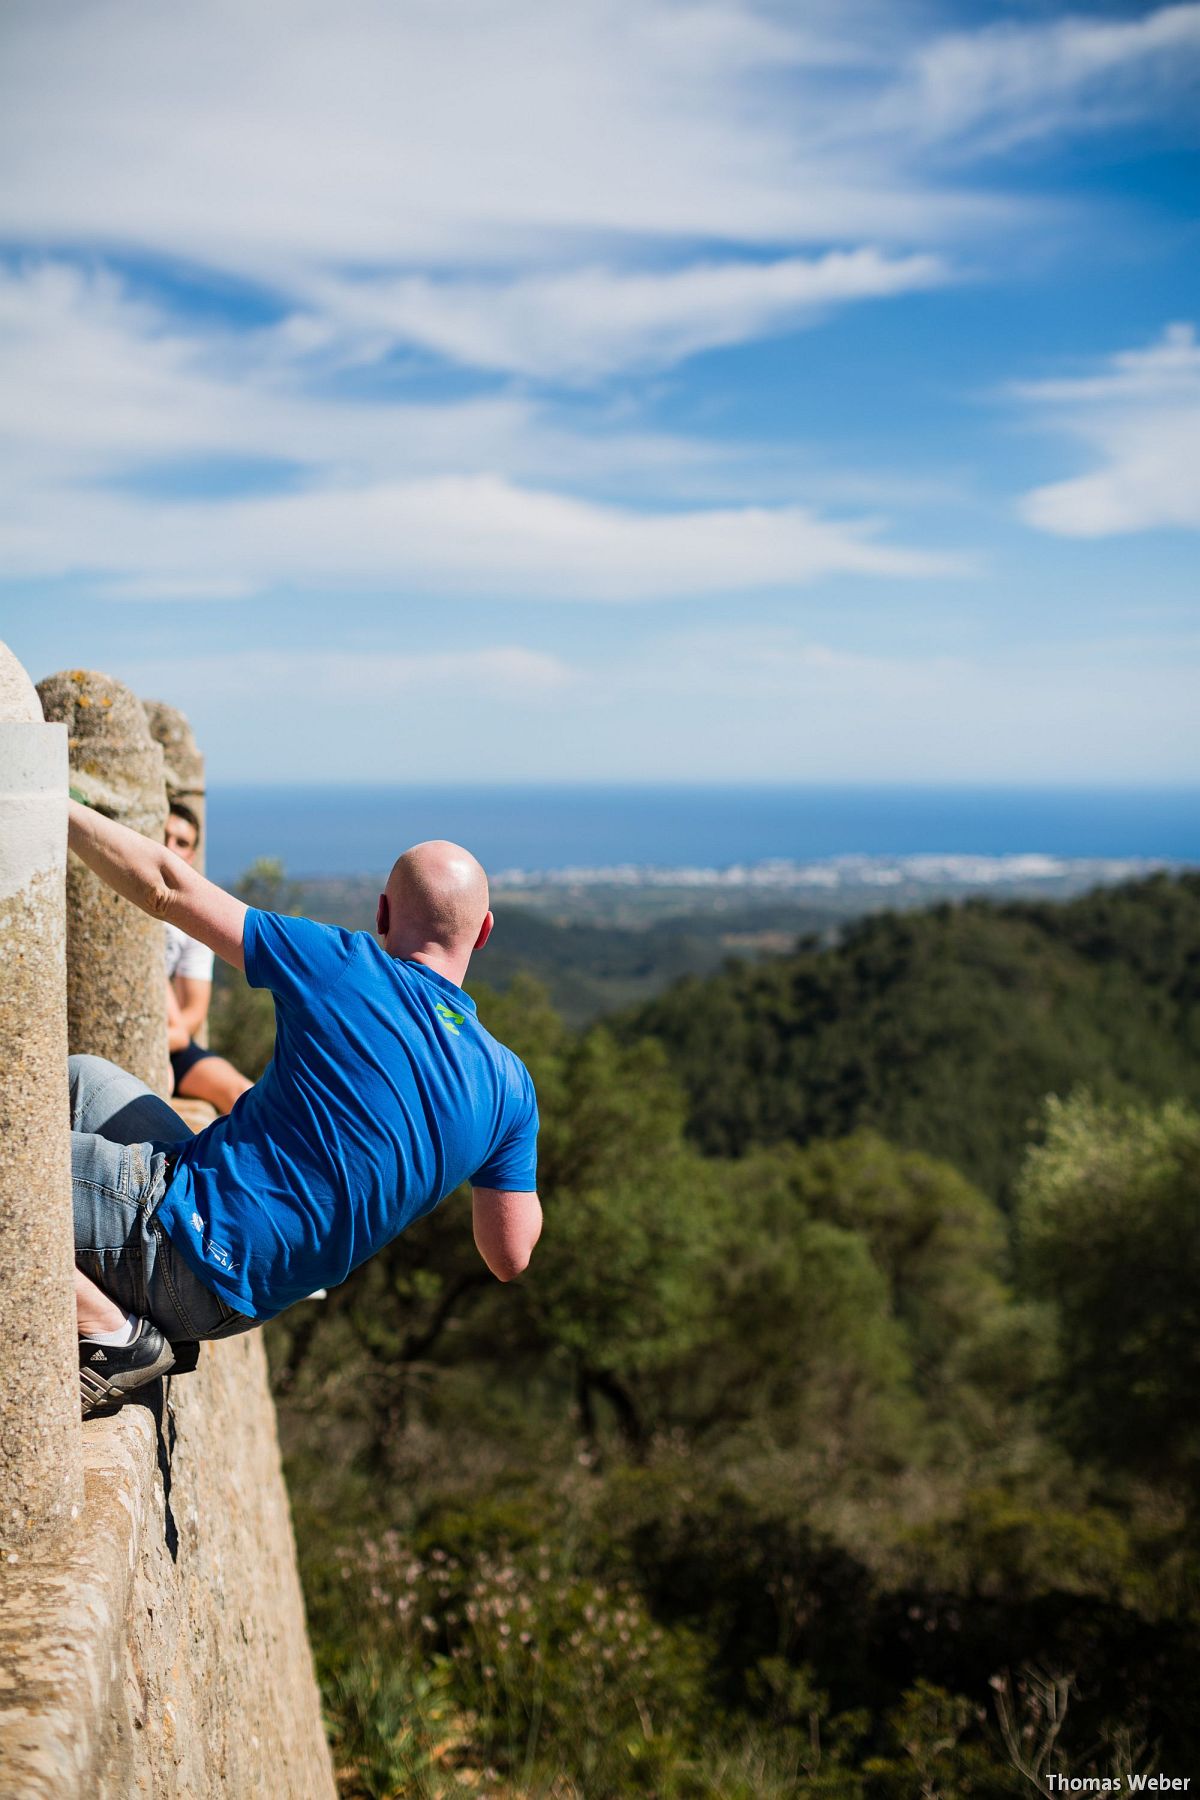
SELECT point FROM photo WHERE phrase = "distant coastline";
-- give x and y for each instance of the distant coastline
(751, 837)
(778, 875)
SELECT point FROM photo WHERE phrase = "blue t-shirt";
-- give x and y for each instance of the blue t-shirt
(384, 1093)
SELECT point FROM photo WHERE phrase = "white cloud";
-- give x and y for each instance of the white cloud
(569, 156)
(1139, 420)
(561, 193)
(93, 386)
(94, 381)
(266, 136)
(594, 321)
(1007, 82)
(377, 136)
(477, 534)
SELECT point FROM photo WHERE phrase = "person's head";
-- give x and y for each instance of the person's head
(183, 831)
(435, 905)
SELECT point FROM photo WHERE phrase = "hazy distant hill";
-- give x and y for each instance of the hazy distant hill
(944, 1029)
(588, 967)
(599, 946)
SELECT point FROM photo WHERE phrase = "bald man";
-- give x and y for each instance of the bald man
(384, 1094)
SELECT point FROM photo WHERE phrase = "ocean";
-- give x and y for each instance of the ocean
(318, 831)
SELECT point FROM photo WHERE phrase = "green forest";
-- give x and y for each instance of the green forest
(843, 1437)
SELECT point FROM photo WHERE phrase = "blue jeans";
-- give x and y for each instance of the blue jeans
(121, 1139)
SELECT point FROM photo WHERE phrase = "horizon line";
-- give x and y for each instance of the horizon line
(1179, 785)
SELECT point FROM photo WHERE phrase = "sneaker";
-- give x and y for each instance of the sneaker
(108, 1372)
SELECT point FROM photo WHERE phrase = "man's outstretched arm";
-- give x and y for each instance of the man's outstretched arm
(158, 881)
(507, 1226)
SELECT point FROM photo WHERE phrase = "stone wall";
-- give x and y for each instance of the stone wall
(159, 1648)
(152, 1644)
(41, 1449)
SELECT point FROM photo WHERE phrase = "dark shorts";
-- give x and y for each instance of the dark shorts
(123, 1142)
(187, 1058)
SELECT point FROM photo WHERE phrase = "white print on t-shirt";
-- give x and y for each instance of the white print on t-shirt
(220, 1254)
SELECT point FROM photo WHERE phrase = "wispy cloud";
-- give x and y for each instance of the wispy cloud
(382, 137)
(96, 387)
(264, 137)
(592, 322)
(476, 534)
(1139, 420)
(554, 199)
(1004, 83)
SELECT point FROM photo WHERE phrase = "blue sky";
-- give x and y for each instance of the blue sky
(632, 390)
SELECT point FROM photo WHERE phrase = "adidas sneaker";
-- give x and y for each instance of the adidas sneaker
(109, 1372)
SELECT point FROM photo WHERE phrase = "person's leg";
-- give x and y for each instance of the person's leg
(213, 1079)
(109, 1183)
(116, 1122)
(115, 1105)
(94, 1311)
(123, 1255)
(122, 1345)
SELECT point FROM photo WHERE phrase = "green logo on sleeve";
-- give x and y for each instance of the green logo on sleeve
(450, 1019)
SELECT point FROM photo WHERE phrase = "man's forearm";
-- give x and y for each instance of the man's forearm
(134, 866)
(160, 882)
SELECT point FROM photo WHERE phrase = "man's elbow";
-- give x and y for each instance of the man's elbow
(165, 886)
(513, 1259)
(507, 1226)
(517, 1256)
(508, 1267)
(157, 899)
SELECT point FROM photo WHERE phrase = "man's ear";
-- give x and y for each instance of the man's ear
(485, 930)
(382, 916)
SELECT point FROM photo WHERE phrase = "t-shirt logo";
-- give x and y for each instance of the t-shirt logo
(220, 1254)
(450, 1019)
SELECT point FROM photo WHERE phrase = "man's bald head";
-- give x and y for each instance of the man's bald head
(436, 899)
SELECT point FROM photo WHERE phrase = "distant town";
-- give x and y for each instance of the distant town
(931, 871)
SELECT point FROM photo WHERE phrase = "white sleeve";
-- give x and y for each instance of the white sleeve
(187, 957)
